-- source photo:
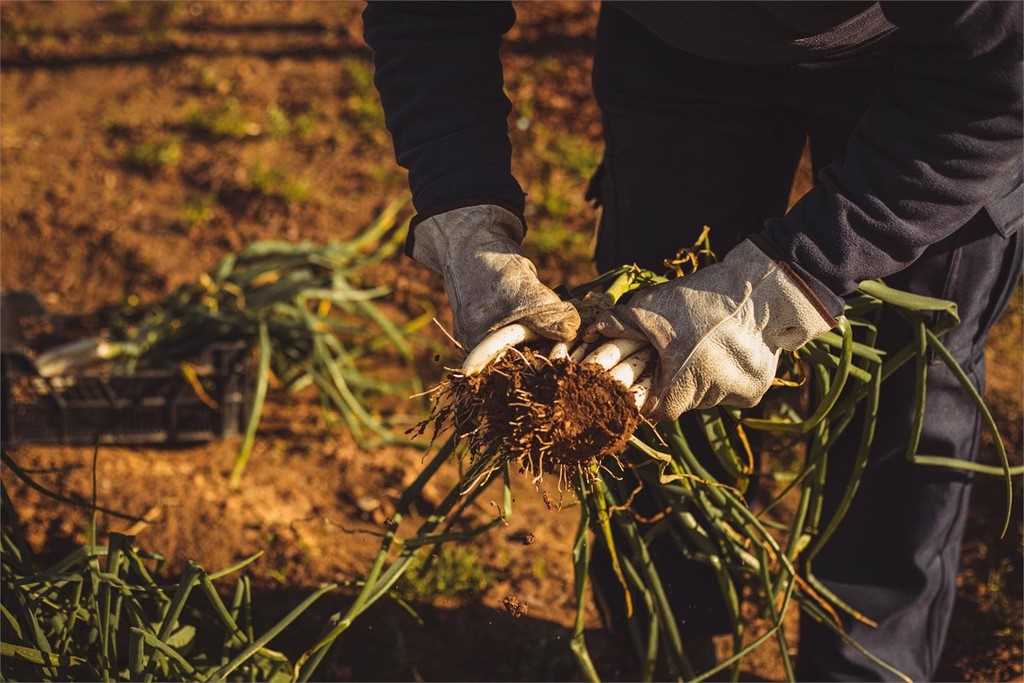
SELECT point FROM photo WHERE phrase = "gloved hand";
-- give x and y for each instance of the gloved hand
(719, 331)
(489, 282)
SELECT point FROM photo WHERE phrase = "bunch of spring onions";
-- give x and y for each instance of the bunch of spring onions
(99, 614)
(836, 377)
(297, 306)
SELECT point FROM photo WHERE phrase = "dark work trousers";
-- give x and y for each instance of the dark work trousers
(690, 142)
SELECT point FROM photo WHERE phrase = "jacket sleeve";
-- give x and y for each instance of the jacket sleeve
(438, 71)
(941, 141)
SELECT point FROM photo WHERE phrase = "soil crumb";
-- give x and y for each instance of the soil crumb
(514, 606)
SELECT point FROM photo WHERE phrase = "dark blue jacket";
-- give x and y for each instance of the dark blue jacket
(941, 142)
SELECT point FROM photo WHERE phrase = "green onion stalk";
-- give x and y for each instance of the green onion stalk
(706, 515)
(300, 309)
(695, 472)
(101, 613)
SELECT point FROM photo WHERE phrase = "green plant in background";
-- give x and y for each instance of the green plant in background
(566, 151)
(304, 124)
(273, 182)
(366, 113)
(568, 162)
(278, 124)
(359, 76)
(225, 121)
(455, 571)
(151, 156)
(539, 568)
(362, 105)
(99, 614)
(281, 125)
(553, 238)
(557, 200)
(198, 210)
(551, 233)
(209, 79)
(299, 309)
(575, 153)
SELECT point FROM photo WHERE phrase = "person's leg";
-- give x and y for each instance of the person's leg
(688, 143)
(895, 556)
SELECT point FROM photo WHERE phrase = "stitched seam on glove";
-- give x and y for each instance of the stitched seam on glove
(457, 295)
(806, 290)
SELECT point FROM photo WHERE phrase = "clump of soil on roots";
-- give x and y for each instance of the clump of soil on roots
(551, 416)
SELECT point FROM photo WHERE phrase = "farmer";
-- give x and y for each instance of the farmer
(913, 115)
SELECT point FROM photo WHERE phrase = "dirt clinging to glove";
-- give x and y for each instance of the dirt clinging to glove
(555, 417)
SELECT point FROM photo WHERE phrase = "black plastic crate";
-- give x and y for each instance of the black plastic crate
(151, 406)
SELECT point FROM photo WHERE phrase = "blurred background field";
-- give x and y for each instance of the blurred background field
(141, 142)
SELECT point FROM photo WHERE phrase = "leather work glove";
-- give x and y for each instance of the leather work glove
(489, 282)
(718, 332)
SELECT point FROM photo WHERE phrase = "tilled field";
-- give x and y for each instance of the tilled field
(141, 142)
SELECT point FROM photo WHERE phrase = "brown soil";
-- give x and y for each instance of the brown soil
(551, 417)
(85, 86)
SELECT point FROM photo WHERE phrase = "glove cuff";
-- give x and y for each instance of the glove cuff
(796, 314)
(436, 239)
(808, 292)
(831, 302)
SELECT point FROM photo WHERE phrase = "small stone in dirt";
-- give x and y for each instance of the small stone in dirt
(514, 606)
(524, 537)
(367, 504)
